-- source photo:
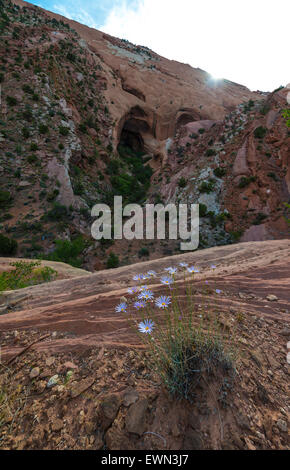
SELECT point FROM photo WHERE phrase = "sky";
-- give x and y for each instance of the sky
(240, 40)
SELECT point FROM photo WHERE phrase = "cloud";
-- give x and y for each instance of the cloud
(242, 41)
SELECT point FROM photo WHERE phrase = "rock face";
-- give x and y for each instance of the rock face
(151, 96)
(86, 116)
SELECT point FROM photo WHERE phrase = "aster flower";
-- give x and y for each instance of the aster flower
(218, 291)
(140, 304)
(163, 301)
(152, 273)
(138, 277)
(122, 307)
(132, 290)
(191, 269)
(167, 280)
(146, 295)
(146, 326)
(213, 266)
(196, 270)
(142, 288)
(171, 270)
(183, 265)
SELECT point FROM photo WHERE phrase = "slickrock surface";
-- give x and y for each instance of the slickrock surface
(85, 382)
(83, 308)
(64, 271)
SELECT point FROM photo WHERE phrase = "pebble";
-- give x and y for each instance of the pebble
(272, 298)
(282, 425)
(49, 361)
(52, 381)
(34, 373)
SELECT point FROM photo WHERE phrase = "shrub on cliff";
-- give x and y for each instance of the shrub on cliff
(5, 199)
(8, 246)
(207, 186)
(182, 182)
(11, 101)
(219, 172)
(112, 261)
(68, 251)
(260, 132)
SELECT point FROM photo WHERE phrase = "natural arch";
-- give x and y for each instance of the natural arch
(184, 116)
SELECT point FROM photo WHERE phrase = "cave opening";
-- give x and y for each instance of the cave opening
(132, 140)
(131, 135)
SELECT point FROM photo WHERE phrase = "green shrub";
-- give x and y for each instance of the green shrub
(182, 182)
(68, 251)
(260, 132)
(25, 132)
(8, 246)
(83, 128)
(5, 198)
(219, 172)
(273, 175)
(112, 261)
(32, 159)
(244, 181)
(202, 210)
(27, 89)
(207, 186)
(58, 212)
(26, 274)
(63, 130)
(236, 235)
(27, 114)
(143, 252)
(11, 100)
(52, 195)
(33, 147)
(210, 152)
(43, 128)
(259, 218)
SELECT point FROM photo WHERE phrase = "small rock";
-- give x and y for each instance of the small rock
(130, 396)
(109, 409)
(57, 425)
(40, 386)
(260, 435)
(49, 361)
(81, 386)
(60, 389)
(282, 425)
(272, 298)
(249, 443)
(286, 332)
(52, 381)
(34, 373)
(135, 419)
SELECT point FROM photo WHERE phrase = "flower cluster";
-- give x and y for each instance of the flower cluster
(145, 296)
